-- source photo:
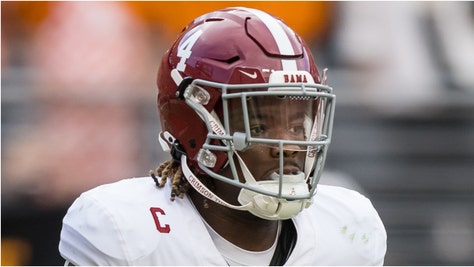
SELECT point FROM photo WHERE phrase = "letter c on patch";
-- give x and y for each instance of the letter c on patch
(161, 228)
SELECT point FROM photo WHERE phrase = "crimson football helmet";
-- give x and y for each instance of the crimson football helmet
(239, 79)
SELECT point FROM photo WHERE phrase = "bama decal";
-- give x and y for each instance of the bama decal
(295, 78)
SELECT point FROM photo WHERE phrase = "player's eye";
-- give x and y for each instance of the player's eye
(257, 130)
(297, 129)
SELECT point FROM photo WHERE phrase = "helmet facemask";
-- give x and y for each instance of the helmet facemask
(275, 136)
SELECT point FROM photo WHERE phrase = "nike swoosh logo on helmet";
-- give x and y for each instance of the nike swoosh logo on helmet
(251, 75)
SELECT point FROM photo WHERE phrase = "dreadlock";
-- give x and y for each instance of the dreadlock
(179, 185)
(171, 169)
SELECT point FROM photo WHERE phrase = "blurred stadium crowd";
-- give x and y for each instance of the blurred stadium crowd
(78, 110)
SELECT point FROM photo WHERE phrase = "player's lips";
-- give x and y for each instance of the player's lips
(287, 170)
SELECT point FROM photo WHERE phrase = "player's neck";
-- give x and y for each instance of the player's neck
(238, 227)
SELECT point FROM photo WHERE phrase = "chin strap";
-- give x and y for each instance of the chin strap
(204, 191)
(263, 206)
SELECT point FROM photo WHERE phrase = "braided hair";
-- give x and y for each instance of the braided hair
(171, 169)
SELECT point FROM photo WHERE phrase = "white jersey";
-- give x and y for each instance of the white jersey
(131, 222)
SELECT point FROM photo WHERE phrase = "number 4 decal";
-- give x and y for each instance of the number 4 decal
(161, 228)
(184, 49)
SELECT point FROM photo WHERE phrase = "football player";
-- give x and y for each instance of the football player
(247, 118)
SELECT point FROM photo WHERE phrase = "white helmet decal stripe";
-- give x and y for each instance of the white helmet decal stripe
(280, 36)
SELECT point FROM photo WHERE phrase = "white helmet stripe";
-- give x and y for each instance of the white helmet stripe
(280, 36)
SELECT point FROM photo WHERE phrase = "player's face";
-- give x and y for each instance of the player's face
(275, 119)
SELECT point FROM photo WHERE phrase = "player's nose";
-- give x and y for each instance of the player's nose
(287, 150)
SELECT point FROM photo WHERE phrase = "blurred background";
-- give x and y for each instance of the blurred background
(78, 110)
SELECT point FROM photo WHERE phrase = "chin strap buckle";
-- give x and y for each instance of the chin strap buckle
(177, 151)
(169, 143)
(182, 87)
